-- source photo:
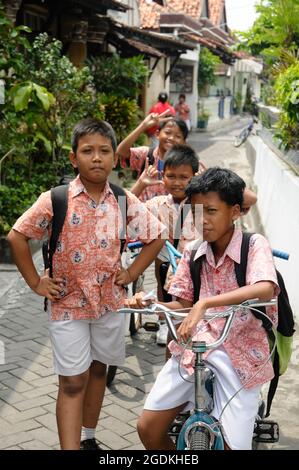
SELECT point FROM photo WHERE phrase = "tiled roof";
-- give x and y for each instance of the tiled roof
(216, 10)
(150, 12)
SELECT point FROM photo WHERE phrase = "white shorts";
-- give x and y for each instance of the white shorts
(76, 343)
(171, 390)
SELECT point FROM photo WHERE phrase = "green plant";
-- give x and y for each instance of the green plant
(206, 69)
(287, 97)
(122, 77)
(122, 113)
(203, 114)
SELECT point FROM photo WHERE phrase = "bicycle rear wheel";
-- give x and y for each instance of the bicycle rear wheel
(200, 439)
(240, 139)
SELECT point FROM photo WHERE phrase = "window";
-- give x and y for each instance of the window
(35, 20)
(205, 9)
(181, 79)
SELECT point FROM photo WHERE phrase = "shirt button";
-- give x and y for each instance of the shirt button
(218, 292)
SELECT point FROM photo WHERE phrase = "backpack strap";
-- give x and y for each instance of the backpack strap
(150, 159)
(150, 156)
(240, 271)
(59, 197)
(195, 271)
(180, 222)
(121, 198)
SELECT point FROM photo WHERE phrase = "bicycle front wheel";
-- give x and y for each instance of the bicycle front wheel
(200, 439)
(240, 139)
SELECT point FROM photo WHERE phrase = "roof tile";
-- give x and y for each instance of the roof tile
(150, 12)
(215, 10)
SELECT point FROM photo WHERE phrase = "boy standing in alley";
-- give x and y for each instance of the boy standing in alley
(88, 282)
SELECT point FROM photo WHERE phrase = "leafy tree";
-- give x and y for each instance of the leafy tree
(118, 76)
(276, 28)
(206, 69)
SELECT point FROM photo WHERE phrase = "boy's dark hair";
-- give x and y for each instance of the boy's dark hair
(182, 95)
(163, 97)
(226, 183)
(181, 155)
(93, 126)
(178, 122)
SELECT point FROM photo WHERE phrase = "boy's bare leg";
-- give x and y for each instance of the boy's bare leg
(69, 409)
(94, 394)
(153, 426)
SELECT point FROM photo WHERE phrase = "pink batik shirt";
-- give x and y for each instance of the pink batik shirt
(167, 211)
(247, 343)
(88, 257)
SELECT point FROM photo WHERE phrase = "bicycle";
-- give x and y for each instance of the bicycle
(200, 430)
(245, 132)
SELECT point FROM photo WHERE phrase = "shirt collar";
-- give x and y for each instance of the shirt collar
(233, 249)
(77, 187)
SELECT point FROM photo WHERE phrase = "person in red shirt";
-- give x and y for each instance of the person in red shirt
(161, 106)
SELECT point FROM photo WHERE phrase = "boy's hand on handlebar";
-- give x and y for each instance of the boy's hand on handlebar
(136, 301)
(49, 287)
(187, 328)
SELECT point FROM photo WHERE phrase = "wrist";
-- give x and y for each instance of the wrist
(34, 285)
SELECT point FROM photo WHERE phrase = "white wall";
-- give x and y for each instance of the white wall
(278, 203)
(156, 83)
(211, 104)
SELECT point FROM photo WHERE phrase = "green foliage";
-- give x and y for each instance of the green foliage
(45, 96)
(13, 47)
(118, 76)
(122, 113)
(206, 69)
(287, 97)
(276, 27)
(14, 200)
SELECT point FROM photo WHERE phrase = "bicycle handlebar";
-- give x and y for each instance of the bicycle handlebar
(180, 313)
(281, 254)
(172, 250)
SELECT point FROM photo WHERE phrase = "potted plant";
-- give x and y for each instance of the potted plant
(203, 118)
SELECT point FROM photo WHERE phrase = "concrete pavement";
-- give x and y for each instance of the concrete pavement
(28, 387)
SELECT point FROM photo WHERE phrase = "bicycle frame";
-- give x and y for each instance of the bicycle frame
(201, 421)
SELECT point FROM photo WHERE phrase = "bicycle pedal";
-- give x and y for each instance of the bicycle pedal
(266, 431)
(151, 326)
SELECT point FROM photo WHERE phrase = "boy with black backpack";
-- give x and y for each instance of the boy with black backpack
(86, 285)
(242, 364)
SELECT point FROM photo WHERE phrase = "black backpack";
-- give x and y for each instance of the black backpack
(285, 327)
(59, 197)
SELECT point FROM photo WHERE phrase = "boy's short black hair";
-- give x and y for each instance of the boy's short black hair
(181, 155)
(226, 183)
(178, 122)
(93, 126)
